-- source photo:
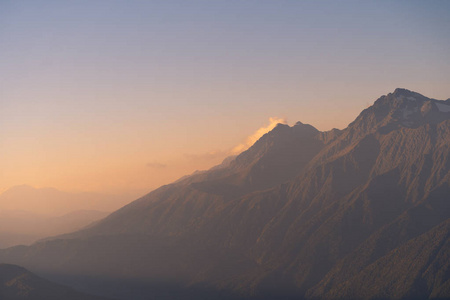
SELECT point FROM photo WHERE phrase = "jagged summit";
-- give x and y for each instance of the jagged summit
(280, 126)
(402, 108)
(405, 92)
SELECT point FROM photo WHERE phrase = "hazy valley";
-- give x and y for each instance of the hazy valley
(28, 214)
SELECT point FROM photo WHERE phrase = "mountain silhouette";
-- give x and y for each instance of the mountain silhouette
(18, 283)
(359, 213)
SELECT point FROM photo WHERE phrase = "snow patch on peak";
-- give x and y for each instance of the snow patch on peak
(443, 107)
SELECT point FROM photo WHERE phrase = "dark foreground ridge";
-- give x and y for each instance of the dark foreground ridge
(18, 283)
(359, 213)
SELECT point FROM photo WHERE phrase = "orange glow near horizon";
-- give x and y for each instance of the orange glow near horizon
(105, 166)
(138, 95)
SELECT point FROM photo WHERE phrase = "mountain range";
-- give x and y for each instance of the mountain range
(358, 213)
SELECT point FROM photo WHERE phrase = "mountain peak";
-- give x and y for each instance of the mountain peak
(402, 92)
(280, 125)
(408, 94)
(402, 108)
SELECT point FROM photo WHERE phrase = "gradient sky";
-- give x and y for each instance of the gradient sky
(124, 95)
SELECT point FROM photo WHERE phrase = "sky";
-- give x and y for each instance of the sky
(113, 96)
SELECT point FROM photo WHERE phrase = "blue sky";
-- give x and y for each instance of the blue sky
(141, 77)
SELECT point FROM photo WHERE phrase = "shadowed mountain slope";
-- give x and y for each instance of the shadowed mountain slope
(302, 213)
(416, 270)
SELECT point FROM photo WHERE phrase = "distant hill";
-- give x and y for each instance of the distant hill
(28, 214)
(359, 213)
(24, 228)
(17, 283)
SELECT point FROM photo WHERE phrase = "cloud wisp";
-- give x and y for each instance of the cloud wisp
(211, 155)
(203, 161)
(156, 165)
(250, 140)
